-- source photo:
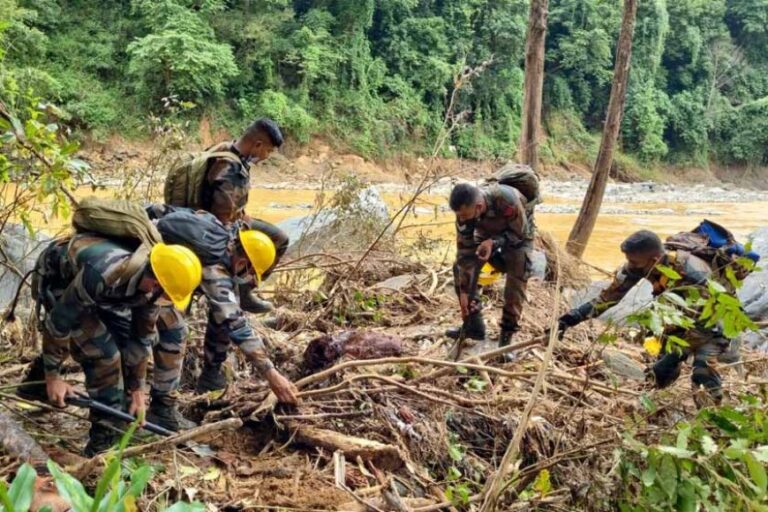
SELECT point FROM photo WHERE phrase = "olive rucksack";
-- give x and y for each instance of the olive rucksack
(116, 219)
(184, 183)
(524, 179)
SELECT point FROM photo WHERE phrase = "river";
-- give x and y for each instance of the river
(556, 215)
(626, 209)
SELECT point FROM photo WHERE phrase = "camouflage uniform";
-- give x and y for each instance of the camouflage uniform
(225, 195)
(506, 223)
(704, 343)
(101, 318)
(226, 319)
(227, 322)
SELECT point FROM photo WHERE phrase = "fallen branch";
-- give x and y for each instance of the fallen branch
(19, 444)
(382, 455)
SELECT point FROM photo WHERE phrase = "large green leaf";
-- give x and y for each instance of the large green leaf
(23, 488)
(756, 472)
(106, 480)
(5, 499)
(70, 489)
(667, 475)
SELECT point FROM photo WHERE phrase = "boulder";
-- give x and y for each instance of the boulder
(349, 225)
(637, 298)
(22, 250)
(753, 294)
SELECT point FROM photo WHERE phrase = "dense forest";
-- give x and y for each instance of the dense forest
(378, 75)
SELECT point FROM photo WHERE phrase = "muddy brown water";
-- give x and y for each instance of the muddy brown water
(602, 251)
(429, 222)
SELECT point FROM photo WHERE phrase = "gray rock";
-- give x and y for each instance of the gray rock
(397, 283)
(22, 251)
(623, 365)
(538, 264)
(638, 298)
(753, 294)
(331, 227)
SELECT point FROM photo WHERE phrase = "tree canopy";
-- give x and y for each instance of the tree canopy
(377, 75)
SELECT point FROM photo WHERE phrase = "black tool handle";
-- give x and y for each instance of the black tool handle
(89, 403)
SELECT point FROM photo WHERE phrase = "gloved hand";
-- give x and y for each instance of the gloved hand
(565, 322)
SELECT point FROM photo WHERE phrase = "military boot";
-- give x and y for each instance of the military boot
(252, 303)
(164, 411)
(211, 379)
(709, 379)
(102, 436)
(505, 338)
(35, 374)
(473, 327)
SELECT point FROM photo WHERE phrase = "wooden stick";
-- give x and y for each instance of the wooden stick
(494, 486)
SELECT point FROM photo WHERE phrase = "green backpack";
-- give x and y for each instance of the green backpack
(115, 218)
(524, 179)
(184, 183)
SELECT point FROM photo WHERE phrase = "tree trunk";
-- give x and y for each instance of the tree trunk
(585, 223)
(534, 83)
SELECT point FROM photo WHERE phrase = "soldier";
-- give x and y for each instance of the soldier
(644, 251)
(249, 251)
(224, 193)
(94, 282)
(492, 226)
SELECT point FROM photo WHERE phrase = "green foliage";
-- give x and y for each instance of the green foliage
(376, 76)
(715, 462)
(114, 492)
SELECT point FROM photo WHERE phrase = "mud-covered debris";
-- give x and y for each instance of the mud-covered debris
(326, 350)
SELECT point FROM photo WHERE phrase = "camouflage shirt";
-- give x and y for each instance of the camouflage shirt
(693, 270)
(225, 191)
(504, 221)
(98, 267)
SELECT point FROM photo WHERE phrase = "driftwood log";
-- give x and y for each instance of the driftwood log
(382, 455)
(20, 445)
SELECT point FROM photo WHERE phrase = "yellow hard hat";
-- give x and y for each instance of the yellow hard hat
(178, 270)
(488, 275)
(260, 250)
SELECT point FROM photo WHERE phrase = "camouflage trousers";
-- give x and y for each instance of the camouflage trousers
(704, 345)
(515, 264)
(167, 350)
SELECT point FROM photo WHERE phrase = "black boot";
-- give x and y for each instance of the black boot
(36, 374)
(164, 411)
(252, 303)
(474, 328)
(211, 379)
(709, 379)
(102, 436)
(505, 338)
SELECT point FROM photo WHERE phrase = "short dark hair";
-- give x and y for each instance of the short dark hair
(642, 242)
(268, 127)
(463, 194)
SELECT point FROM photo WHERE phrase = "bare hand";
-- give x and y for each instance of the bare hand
(484, 250)
(464, 304)
(58, 390)
(283, 388)
(138, 406)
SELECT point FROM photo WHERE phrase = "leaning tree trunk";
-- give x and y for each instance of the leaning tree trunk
(585, 223)
(534, 83)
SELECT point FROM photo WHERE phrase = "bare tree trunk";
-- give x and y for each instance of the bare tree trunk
(585, 223)
(534, 83)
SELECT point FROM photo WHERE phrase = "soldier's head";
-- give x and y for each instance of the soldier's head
(254, 251)
(260, 139)
(467, 202)
(643, 251)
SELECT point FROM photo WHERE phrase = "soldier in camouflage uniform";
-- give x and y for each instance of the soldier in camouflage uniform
(491, 226)
(226, 321)
(225, 194)
(644, 251)
(85, 315)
